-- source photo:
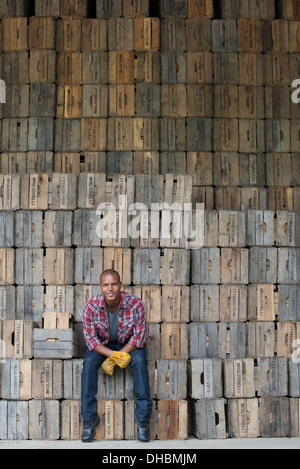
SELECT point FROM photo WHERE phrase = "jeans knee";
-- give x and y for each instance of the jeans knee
(92, 361)
(139, 357)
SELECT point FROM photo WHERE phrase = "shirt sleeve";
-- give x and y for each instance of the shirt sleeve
(139, 337)
(89, 331)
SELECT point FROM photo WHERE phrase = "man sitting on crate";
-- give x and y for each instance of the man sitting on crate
(114, 327)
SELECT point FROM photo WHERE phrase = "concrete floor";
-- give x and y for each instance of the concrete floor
(188, 445)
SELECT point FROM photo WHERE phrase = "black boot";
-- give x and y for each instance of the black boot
(89, 429)
(143, 432)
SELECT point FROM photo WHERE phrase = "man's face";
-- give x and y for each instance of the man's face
(111, 288)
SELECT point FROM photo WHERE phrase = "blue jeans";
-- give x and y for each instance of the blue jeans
(89, 383)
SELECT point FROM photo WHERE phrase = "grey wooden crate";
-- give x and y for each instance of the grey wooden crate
(65, 344)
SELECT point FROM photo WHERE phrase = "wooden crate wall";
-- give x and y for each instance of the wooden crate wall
(192, 105)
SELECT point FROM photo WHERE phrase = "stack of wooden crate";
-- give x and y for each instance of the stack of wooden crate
(189, 105)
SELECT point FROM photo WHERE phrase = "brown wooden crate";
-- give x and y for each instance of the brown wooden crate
(74, 8)
(7, 274)
(226, 68)
(146, 162)
(71, 422)
(172, 420)
(172, 134)
(68, 135)
(120, 33)
(47, 8)
(233, 303)
(120, 260)
(205, 377)
(250, 35)
(232, 229)
(224, 36)
(59, 266)
(146, 34)
(42, 66)
(174, 341)
(34, 191)
(10, 192)
(93, 134)
(234, 266)
(15, 34)
(225, 134)
(252, 136)
(94, 67)
(200, 9)
(147, 100)
(65, 162)
(15, 67)
(121, 67)
(261, 303)
(199, 67)
(243, 418)
(94, 34)
(148, 67)
(277, 69)
(68, 35)
(69, 68)
(42, 32)
(17, 335)
(289, 9)
(111, 414)
(251, 69)
(205, 303)
(198, 35)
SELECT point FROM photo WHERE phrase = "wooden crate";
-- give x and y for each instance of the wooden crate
(68, 135)
(63, 191)
(146, 101)
(243, 418)
(47, 8)
(34, 191)
(197, 34)
(233, 303)
(239, 378)
(224, 36)
(17, 101)
(261, 339)
(15, 34)
(226, 134)
(71, 421)
(84, 232)
(42, 66)
(232, 229)
(263, 265)
(173, 67)
(17, 338)
(261, 302)
(94, 34)
(175, 267)
(146, 34)
(119, 259)
(250, 35)
(42, 33)
(234, 265)
(59, 299)
(172, 377)
(29, 303)
(226, 68)
(278, 135)
(272, 377)
(44, 419)
(288, 302)
(199, 134)
(248, 9)
(288, 265)
(111, 387)
(88, 265)
(58, 228)
(68, 35)
(151, 295)
(174, 341)
(68, 65)
(287, 333)
(120, 33)
(232, 339)
(208, 419)
(69, 102)
(205, 266)
(14, 384)
(111, 413)
(39, 162)
(72, 372)
(29, 264)
(251, 69)
(294, 416)
(15, 134)
(74, 8)
(172, 420)
(40, 134)
(15, 67)
(59, 266)
(274, 417)
(172, 134)
(205, 379)
(121, 100)
(205, 303)
(277, 69)
(55, 343)
(260, 228)
(199, 67)
(289, 9)
(148, 67)
(47, 379)
(14, 418)
(203, 340)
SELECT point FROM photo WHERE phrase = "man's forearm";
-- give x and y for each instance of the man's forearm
(107, 352)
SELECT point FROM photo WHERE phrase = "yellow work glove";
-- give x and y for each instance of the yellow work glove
(122, 359)
(108, 366)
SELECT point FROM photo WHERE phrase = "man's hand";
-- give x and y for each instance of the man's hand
(122, 359)
(108, 366)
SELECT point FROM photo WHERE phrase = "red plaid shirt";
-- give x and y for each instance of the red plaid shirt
(132, 326)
